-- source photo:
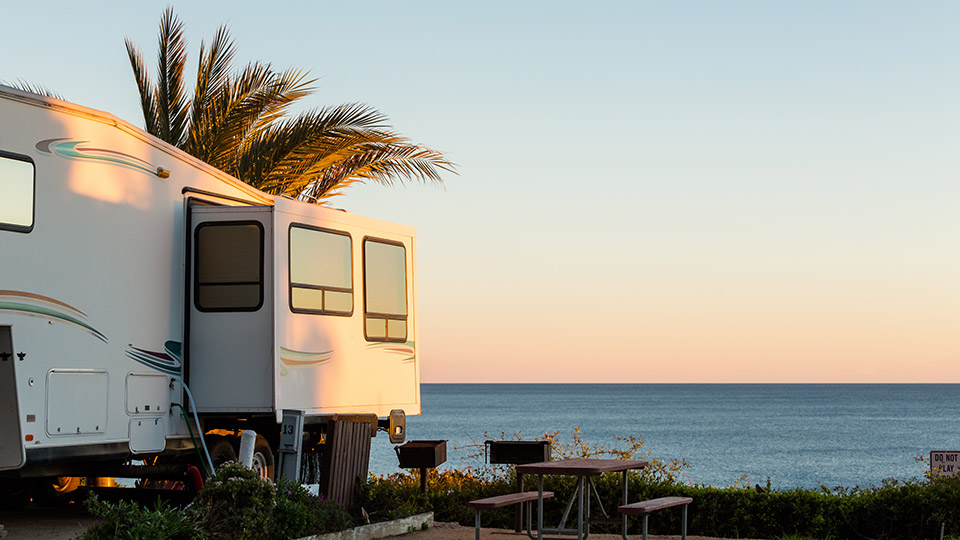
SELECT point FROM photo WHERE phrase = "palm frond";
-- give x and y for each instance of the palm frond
(239, 123)
(146, 88)
(33, 88)
(213, 71)
(172, 104)
(384, 164)
(316, 155)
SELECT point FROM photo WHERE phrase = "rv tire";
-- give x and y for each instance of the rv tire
(221, 451)
(263, 462)
(55, 490)
(15, 493)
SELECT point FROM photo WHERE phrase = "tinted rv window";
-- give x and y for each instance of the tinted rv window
(385, 290)
(16, 192)
(321, 271)
(229, 266)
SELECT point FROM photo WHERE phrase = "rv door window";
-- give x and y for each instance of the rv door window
(385, 290)
(16, 192)
(229, 266)
(321, 271)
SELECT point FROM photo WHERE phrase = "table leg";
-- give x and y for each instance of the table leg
(518, 518)
(580, 493)
(626, 501)
(540, 506)
(589, 495)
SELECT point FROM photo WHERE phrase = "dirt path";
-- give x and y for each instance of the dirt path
(453, 531)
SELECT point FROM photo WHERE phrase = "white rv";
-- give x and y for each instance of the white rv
(129, 268)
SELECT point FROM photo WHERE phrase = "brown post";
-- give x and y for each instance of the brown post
(346, 460)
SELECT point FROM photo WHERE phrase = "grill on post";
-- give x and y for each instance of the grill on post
(422, 455)
(517, 453)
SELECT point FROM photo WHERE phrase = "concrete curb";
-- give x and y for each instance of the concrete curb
(379, 530)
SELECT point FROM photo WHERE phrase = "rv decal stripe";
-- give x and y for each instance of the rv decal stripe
(294, 358)
(408, 350)
(71, 149)
(149, 359)
(50, 314)
(44, 298)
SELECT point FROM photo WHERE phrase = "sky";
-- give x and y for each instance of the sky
(649, 192)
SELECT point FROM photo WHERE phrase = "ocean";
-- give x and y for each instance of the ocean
(795, 435)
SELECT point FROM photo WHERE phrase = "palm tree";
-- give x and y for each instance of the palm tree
(238, 122)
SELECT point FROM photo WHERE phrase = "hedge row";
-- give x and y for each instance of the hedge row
(907, 510)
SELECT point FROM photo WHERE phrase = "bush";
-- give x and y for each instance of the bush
(291, 514)
(236, 503)
(129, 520)
(299, 513)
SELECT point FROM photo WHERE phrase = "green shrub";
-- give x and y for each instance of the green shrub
(299, 513)
(125, 519)
(291, 514)
(236, 504)
(331, 517)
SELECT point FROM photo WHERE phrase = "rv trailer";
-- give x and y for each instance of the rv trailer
(135, 277)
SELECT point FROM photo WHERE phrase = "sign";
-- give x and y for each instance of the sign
(944, 462)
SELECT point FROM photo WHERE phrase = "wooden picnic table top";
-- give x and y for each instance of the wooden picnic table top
(581, 466)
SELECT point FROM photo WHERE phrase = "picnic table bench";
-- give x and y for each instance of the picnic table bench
(500, 501)
(645, 508)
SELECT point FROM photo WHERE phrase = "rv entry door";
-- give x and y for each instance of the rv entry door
(230, 332)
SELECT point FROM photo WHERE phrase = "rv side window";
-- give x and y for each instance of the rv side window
(16, 192)
(385, 290)
(321, 271)
(229, 266)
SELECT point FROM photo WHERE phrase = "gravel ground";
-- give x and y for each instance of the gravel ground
(61, 523)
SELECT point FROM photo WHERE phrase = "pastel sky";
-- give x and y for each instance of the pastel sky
(683, 191)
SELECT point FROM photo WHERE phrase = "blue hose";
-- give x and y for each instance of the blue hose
(193, 407)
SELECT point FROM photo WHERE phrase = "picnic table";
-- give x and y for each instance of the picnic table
(585, 470)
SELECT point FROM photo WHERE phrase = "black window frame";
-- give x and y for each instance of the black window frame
(33, 199)
(386, 316)
(196, 267)
(291, 284)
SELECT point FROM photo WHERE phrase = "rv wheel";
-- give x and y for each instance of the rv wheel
(221, 451)
(55, 490)
(15, 493)
(263, 458)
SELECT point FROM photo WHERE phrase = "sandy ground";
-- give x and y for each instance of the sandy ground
(68, 522)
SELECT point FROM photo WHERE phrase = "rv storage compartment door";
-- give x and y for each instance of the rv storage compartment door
(230, 333)
(11, 440)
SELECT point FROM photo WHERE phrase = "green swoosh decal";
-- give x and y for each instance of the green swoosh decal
(51, 314)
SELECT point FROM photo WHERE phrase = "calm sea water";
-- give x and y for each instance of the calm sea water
(795, 435)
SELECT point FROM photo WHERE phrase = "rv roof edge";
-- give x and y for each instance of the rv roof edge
(109, 119)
